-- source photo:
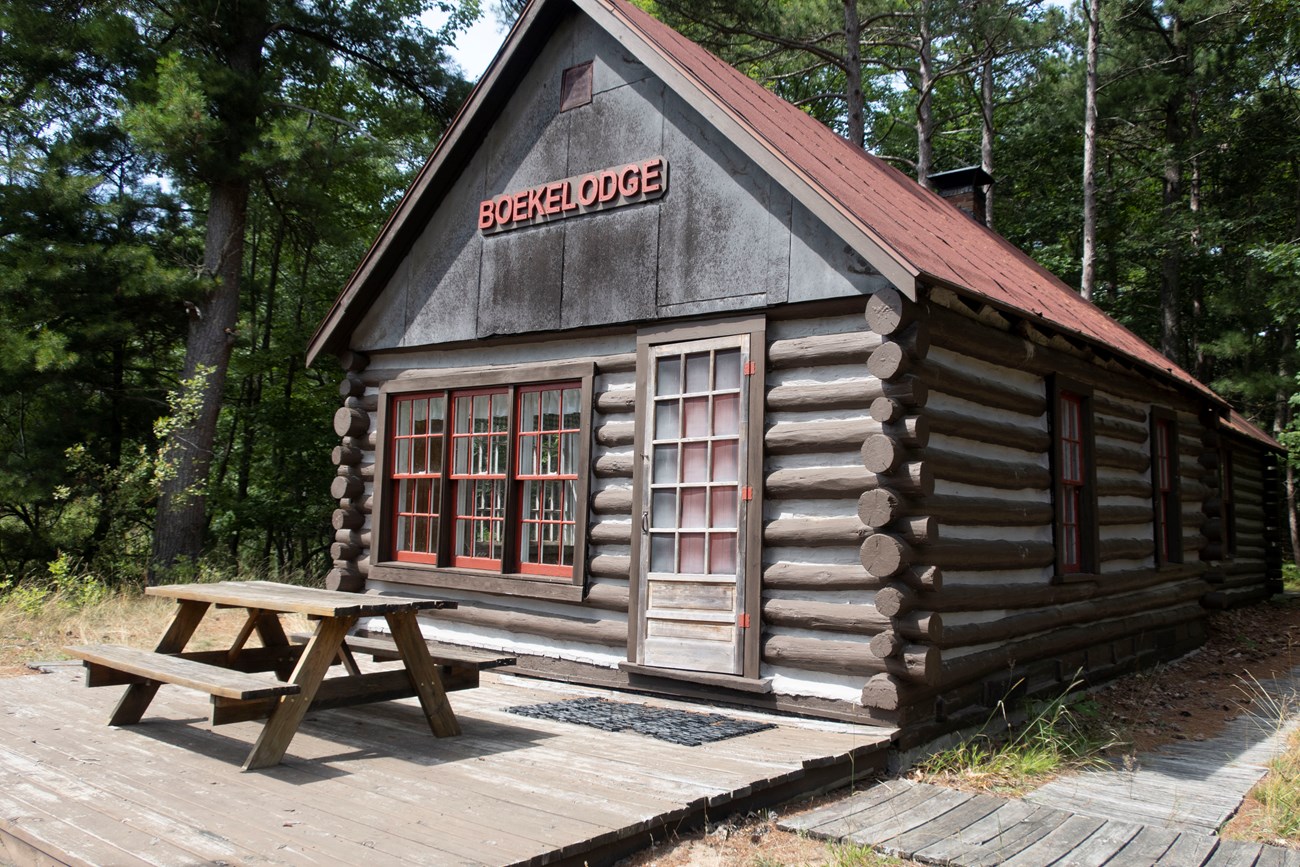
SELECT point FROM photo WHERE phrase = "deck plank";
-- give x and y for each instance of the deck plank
(1063, 839)
(1189, 850)
(950, 823)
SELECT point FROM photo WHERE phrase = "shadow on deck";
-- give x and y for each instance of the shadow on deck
(372, 783)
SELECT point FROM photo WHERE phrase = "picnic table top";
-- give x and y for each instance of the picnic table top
(313, 602)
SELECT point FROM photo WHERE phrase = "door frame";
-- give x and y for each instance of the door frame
(751, 569)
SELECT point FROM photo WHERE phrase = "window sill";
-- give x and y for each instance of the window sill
(723, 681)
(532, 586)
(1076, 577)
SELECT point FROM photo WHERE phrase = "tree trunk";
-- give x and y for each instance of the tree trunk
(986, 131)
(1088, 283)
(853, 74)
(1171, 260)
(178, 535)
(925, 103)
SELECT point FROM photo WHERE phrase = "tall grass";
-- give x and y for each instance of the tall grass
(1056, 736)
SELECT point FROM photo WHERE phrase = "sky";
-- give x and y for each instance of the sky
(476, 47)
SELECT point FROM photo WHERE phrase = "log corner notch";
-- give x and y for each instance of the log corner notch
(352, 425)
(893, 514)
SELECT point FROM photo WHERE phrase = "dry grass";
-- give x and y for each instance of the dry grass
(38, 633)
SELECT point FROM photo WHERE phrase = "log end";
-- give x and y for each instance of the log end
(884, 555)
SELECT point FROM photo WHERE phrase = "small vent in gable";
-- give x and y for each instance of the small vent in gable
(575, 86)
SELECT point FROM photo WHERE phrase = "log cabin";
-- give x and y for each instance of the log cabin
(672, 389)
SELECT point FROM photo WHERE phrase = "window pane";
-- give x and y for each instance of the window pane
(692, 549)
(665, 469)
(727, 362)
(661, 552)
(435, 454)
(463, 414)
(402, 464)
(550, 462)
(695, 461)
(528, 404)
(550, 410)
(722, 553)
(696, 411)
(421, 410)
(664, 508)
(527, 456)
(403, 417)
(723, 508)
(573, 408)
(667, 420)
(403, 533)
(437, 413)
(693, 503)
(421, 541)
(668, 376)
(569, 457)
(419, 461)
(726, 415)
(725, 461)
(697, 372)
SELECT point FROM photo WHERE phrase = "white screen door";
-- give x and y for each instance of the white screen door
(694, 465)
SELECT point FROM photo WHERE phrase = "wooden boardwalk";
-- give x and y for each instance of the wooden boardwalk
(371, 785)
(1164, 809)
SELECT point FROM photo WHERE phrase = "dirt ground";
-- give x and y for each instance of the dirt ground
(1190, 698)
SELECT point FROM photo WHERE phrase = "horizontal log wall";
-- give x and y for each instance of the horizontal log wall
(1004, 618)
(1243, 573)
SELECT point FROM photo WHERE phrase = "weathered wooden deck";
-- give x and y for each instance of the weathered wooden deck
(371, 785)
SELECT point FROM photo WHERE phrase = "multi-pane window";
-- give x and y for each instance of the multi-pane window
(417, 431)
(1072, 481)
(550, 418)
(1165, 490)
(488, 478)
(694, 485)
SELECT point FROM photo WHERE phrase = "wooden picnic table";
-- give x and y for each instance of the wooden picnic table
(241, 680)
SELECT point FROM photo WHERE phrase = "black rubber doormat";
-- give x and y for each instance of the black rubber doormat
(681, 727)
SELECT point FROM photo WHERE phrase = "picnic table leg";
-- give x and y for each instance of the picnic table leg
(135, 701)
(423, 673)
(271, 633)
(289, 710)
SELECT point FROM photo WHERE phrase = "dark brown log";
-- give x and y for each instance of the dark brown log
(928, 579)
(882, 454)
(987, 511)
(342, 551)
(351, 422)
(1006, 434)
(343, 582)
(884, 555)
(351, 385)
(610, 566)
(818, 576)
(612, 501)
(346, 487)
(1081, 612)
(895, 600)
(886, 644)
(349, 568)
(610, 533)
(814, 532)
(1208, 460)
(608, 597)
(1119, 429)
(1110, 486)
(814, 397)
(815, 350)
(987, 472)
(982, 597)
(614, 466)
(346, 455)
(989, 554)
(348, 519)
(825, 616)
(365, 402)
(888, 692)
(621, 363)
(616, 402)
(1212, 529)
(889, 311)
(1126, 549)
(879, 506)
(917, 662)
(956, 382)
(887, 410)
(359, 538)
(888, 361)
(353, 361)
(616, 433)
(1117, 516)
(835, 482)
(802, 437)
(364, 503)
(609, 633)
(1120, 457)
(1103, 404)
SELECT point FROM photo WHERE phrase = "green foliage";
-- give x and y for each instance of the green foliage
(848, 854)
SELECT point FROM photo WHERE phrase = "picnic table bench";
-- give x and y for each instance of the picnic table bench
(281, 680)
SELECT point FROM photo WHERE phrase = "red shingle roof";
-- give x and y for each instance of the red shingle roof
(933, 238)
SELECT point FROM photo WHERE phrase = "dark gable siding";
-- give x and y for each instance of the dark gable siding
(725, 236)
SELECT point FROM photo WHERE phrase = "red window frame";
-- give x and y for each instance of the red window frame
(552, 524)
(478, 491)
(412, 502)
(1073, 480)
